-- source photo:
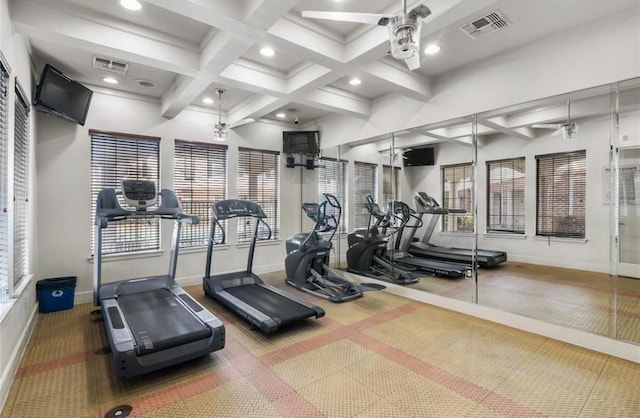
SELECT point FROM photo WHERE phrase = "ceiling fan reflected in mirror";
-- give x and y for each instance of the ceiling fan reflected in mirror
(404, 29)
(220, 128)
(568, 130)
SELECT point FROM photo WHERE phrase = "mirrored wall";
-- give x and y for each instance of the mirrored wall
(543, 198)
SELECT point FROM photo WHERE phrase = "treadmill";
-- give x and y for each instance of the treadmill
(427, 204)
(151, 322)
(265, 307)
(400, 254)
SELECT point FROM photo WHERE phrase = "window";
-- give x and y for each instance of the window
(20, 187)
(332, 179)
(365, 181)
(115, 157)
(561, 194)
(505, 196)
(259, 181)
(4, 222)
(200, 178)
(390, 184)
(457, 188)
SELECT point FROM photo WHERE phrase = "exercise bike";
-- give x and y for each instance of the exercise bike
(367, 254)
(307, 261)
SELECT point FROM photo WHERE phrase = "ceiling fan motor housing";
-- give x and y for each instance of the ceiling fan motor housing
(404, 35)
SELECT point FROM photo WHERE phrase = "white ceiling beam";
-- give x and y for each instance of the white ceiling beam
(499, 124)
(37, 21)
(406, 83)
(335, 100)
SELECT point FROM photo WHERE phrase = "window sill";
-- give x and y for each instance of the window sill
(128, 256)
(504, 235)
(558, 239)
(457, 234)
(5, 308)
(217, 247)
(267, 243)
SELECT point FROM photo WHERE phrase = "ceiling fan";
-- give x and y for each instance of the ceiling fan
(404, 29)
(568, 130)
(220, 129)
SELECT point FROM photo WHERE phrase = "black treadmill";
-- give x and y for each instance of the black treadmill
(265, 307)
(427, 204)
(151, 322)
(400, 254)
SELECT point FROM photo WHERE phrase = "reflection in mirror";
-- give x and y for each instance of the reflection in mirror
(543, 168)
(626, 209)
(436, 188)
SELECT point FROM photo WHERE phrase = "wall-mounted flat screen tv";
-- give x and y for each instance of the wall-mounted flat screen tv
(419, 156)
(301, 142)
(57, 93)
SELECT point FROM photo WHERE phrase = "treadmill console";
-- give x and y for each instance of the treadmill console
(139, 194)
(232, 208)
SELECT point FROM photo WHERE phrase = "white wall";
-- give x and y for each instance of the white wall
(599, 56)
(17, 317)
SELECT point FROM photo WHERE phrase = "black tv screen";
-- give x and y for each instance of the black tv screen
(57, 93)
(301, 142)
(419, 156)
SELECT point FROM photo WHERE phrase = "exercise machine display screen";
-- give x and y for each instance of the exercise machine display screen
(139, 193)
(231, 208)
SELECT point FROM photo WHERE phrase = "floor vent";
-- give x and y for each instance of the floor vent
(110, 65)
(485, 25)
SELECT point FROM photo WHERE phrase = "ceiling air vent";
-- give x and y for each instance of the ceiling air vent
(485, 25)
(110, 65)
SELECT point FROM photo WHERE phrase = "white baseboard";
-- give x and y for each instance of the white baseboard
(6, 379)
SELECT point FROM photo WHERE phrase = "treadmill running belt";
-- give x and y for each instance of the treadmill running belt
(159, 321)
(270, 303)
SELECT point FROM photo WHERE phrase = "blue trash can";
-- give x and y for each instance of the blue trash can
(56, 294)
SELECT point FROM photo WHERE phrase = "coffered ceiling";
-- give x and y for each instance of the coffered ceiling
(181, 51)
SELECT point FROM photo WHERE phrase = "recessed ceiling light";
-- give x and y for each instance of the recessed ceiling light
(355, 81)
(146, 83)
(207, 100)
(267, 52)
(432, 49)
(130, 4)
(110, 80)
(281, 115)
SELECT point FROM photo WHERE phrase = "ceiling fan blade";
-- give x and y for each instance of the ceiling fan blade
(413, 62)
(369, 18)
(241, 122)
(421, 11)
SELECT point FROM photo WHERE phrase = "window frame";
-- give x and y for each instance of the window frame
(146, 235)
(509, 213)
(574, 225)
(21, 178)
(451, 222)
(245, 231)
(197, 235)
(361, 215)
(339, 172)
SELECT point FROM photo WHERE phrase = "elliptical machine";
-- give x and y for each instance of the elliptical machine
(307, 262)
(367, 253)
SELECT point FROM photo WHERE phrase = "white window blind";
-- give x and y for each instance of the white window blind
(4, 222)
(390, 183)
(259, 181)
(365, 181)
(200, 178)
(332, 179)
(114, 157)
(20, 187)
(505, 195)
(457, 188)
(561, 194)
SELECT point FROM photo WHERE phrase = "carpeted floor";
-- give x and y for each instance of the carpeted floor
(378, 356)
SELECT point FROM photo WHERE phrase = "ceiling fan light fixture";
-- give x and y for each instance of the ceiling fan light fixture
(404, 35)
(219, 134)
